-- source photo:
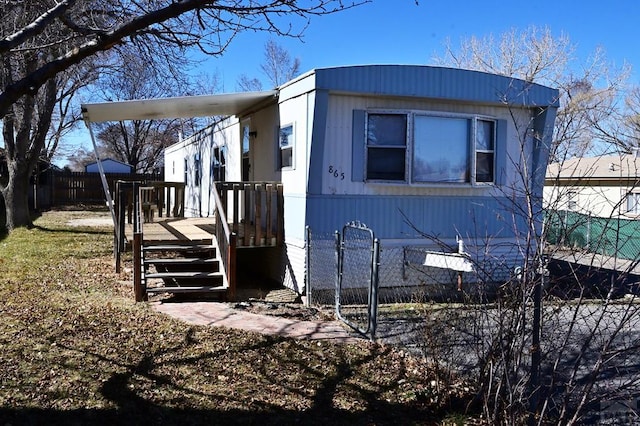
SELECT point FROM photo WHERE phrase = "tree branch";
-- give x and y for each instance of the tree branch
(102, 41)
(36, 27)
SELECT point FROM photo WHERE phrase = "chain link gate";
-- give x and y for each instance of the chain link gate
(358, 259)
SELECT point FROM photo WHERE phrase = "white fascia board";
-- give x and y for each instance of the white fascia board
(179, 107)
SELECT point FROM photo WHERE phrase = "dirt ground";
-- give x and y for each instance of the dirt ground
(287, 310)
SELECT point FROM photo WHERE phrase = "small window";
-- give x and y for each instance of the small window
(285, 147)
(485, 141)
(386, 146)
(186, 172)
(633, 202)
(218, 164)
(572, 200)
(196, 167)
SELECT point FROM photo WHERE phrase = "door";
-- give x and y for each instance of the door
(246, 151)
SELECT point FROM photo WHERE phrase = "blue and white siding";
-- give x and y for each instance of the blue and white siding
(492, 219)
(325, 186)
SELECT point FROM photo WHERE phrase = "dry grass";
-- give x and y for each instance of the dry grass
(76, 349)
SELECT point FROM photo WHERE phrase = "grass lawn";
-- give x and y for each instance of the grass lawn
(76, 349)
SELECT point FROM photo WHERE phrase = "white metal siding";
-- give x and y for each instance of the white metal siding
(297, 111)
(262, 146)
(338, 145)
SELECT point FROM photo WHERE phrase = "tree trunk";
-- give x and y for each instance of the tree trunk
(16, 198)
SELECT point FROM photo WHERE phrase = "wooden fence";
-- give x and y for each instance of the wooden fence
(64, 188)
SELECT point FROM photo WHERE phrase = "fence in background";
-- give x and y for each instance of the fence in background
(56, 188)
(607, 236)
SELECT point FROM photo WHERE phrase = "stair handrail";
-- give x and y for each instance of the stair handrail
(227, 245)
(139, 289)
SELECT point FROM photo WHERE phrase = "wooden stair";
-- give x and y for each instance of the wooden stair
(183, 267)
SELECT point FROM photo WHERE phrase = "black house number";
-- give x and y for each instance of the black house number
(333, 171)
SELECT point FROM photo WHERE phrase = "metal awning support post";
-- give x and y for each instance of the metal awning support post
(103, 178)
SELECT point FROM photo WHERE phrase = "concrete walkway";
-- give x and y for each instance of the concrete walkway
(222, 315)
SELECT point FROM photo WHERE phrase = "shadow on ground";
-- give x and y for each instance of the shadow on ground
(383, 414)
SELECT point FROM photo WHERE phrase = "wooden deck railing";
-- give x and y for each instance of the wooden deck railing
(255, 211)
(247, 214)
(169, 197)
(227, 244)
(165, 198)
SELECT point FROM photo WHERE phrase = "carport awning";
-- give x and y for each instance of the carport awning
(180, 107)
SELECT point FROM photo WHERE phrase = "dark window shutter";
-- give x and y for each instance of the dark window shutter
(358, 145)
(500, 150)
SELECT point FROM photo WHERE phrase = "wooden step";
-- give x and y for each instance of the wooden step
(181, 261)
(184, 275)
(190, 289)
(179, 247)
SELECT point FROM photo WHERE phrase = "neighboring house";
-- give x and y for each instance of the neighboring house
(109, 165)
(604, 186)
(407, 150)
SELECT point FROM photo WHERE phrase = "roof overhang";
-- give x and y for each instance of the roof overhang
(179, 107)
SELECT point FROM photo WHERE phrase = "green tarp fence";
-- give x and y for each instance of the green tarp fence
(608, 236)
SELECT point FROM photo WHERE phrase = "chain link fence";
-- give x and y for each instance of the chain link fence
(357, 283)
(471, 313)
(408, 277)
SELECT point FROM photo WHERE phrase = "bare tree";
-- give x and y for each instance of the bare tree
(277, 66)
(66, 116)
(589, 90)
(131, 75)
(80, 158)
(247, 84)
(41, 39)
(558, 348)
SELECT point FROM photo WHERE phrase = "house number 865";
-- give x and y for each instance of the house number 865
(336, 173)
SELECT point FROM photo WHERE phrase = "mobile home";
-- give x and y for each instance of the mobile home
(411, 151)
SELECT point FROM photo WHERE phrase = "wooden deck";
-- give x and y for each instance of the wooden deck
(174, 230)
(246, 215)
(193, 229)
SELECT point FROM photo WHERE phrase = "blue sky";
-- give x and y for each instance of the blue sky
(399, 31)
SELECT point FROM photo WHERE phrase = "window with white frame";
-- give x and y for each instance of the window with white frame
(219, 164)
(424, 148)
(572, 200)
(285, 146)
(633, 202)
(197, 169)
(386, 146)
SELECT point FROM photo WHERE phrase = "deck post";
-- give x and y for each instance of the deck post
(246, 189)
(231, 272)
(119, 227)
(236, 190)
(258, 214)
(116, 228)
(138, 290)
(280, 213)
(269, 205)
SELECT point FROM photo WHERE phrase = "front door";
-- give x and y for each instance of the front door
(246, 151)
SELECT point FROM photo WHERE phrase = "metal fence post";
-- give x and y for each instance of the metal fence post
(338, 245)
(373, 297)
(307, 274)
